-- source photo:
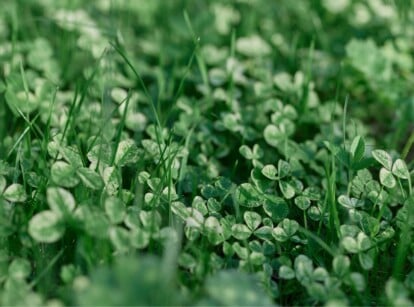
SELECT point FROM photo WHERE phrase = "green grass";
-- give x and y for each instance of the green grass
(217, 153)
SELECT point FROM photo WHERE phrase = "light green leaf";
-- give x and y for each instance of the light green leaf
(349, 230)
(112, 180)
(139, 238)
(264, 232)
(289, 226)
(340, 265)
(253, 46)
(252, 219)
(15, 193)
(366, 261)
(3, 184)
(320, 274)
(350, 245)
(369, 59)
(302, 202)
(71, 155)
(396, 291)
(242, 252)
(247, 196)
(283, 168)
(349, 202)
(90, 178)
(241, 231)
(115, 209)
(195, 218)
(63, 174)
(364, 242)
(152, 219)
(383, 158)
(273, 135)
(286, 272)
(60, 201)
(46, 227)
(400, 169)
(246, 152)
(304, 269)
(101, 153)
(212, 224)
(287, 189)
(358, 281)
(120, 239)
(280, 234)
(126, 153)
(179, 209)
(19, 268)
(270, 172)
(387, 179)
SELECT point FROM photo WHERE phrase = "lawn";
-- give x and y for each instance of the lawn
(206, 152)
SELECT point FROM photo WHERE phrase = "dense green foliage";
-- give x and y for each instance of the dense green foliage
(173, 152)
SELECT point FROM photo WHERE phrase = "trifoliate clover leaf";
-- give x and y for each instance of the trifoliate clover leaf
(350, 245)
(120, 239)
(363, 241)
(280, 234)
(64, 174)
(246, 152)
(340, 265)
(302, 202)
(320, 274)
(20, 268)
(270, 172)
(287, 189)
(60, 201)
(289, 226)
(303, 269)
(264, 232)
(367, 57)
(112, 180)
(387, 179)
(247, 196)
(241, 231)
(286, 272)
(139, 238)
(283, 168)
(46, 227)
(15, 193)
(349, 202)
(366, 261)
(400, 169)
(273, 135)
(3, 184)
(127, 153)
(252, 219)
(358, 281)
(253, 46)
(383, 158)
(90, 178)
(101, 153)
(195, 218)
(212, 225)
(115, 209)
